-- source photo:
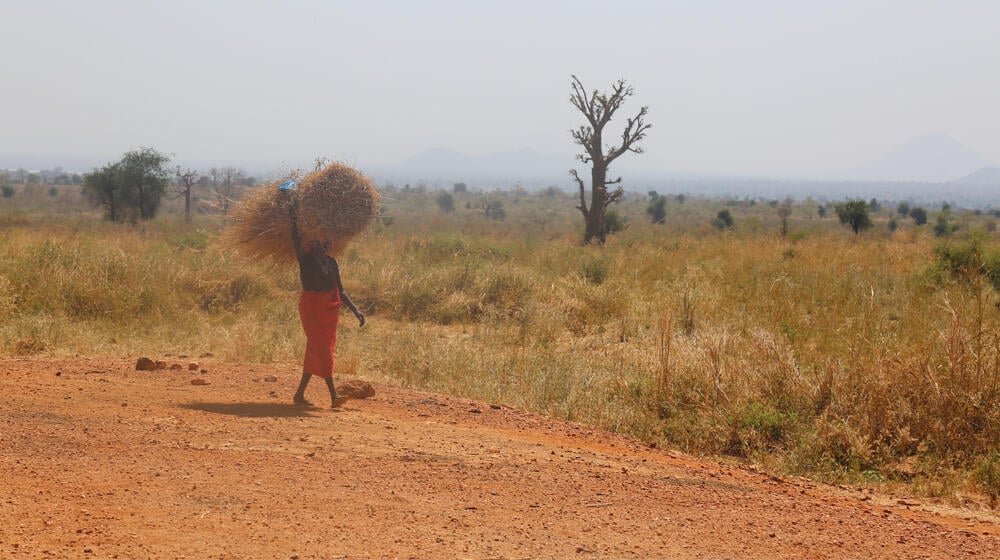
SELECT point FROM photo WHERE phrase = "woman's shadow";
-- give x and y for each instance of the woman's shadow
(253, 409)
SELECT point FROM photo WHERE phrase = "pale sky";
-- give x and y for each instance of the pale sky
(770, 87)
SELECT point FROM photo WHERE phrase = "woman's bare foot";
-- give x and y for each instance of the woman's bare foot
(337, 402)
(301, 401)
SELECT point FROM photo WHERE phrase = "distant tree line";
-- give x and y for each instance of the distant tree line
(56, 176)
(132, 188)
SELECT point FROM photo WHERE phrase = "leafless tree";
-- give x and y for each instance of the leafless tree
(187, 178)
(599, 108)
(226, 184)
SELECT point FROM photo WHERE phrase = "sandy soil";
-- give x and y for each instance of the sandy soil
(98, 460)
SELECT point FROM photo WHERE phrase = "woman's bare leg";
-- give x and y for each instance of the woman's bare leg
(335, 401)
(300, 394)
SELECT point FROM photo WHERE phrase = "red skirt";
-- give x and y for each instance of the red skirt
(319, 312)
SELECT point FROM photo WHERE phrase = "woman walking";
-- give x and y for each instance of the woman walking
(319, 311)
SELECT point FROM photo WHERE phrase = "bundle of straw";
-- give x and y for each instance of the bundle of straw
(334, 204)
(261, 224)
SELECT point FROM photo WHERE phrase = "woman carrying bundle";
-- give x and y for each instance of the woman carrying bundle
(319, 310)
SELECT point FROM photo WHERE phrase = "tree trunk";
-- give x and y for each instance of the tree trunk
(187, 205)
(598, 202)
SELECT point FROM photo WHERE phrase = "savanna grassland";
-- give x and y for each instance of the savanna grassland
(871, 358)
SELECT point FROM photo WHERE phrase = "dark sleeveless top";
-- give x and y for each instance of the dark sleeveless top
(318, 271)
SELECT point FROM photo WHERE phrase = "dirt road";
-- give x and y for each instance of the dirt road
(98, 460)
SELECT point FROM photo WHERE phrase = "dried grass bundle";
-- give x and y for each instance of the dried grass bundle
(261, 225)
(334, 204)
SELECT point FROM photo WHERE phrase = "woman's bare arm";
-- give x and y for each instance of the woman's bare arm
(346, 299)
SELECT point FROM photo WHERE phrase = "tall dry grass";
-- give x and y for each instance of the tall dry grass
(842, 357)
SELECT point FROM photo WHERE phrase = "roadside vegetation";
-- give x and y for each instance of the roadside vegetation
(863, 352)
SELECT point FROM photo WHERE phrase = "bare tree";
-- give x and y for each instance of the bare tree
(188, 179)
(784, 212)
(599, 108)
(226, 184)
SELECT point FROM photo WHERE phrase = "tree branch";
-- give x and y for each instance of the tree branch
(611, 104)
(635, 132)
(583, 193)
(580, 100)
(614, 196)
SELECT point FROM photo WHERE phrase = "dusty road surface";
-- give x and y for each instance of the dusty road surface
(98, 460)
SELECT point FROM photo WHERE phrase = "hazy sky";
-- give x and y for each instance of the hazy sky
(738, 87)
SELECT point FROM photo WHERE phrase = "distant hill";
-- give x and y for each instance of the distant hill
(986, 176)
(932, 158)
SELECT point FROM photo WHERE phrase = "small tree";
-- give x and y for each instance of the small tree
(227, 183)
(446, 202)
(723, 220)
(943, 227)
(614, 222)
(187, 179)
(145, 174)
(8, 191)
(493, 209)
(657, 209)
(919, 215)
(598, 108)
(131, 188)
(855, 214)
(460, 188)
(821, 211)
(903, 209)
(784, 212)
(103, 187)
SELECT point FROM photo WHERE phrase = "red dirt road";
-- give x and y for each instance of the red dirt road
(100, 461)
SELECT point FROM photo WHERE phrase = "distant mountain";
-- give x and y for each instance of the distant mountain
(986, 176)
(497, 169)
(932, 158)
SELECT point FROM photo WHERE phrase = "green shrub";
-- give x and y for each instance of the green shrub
(613, 222)
(723, 220)
(987, 475)
(968, 260)
(758, 427)
(506, 291)
(228, 295)
(595, 269)
(415, 301)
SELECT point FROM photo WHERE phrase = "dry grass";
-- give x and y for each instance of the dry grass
(334, 204)
(860, 359)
